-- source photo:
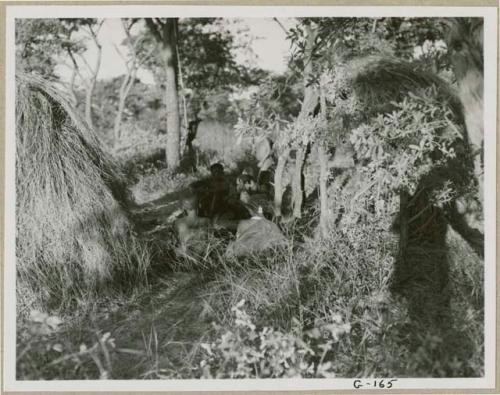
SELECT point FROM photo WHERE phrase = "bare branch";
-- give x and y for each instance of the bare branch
(126, 29)
(96, 32)
(281, 25)
(76, 67)
(132, 23)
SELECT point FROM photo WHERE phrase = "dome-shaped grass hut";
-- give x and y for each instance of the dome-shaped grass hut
(72, 233)
(433, 239)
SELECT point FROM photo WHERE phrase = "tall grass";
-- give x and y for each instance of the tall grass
(348, 275)
(331, 295)
(73, 238)
(72, 234)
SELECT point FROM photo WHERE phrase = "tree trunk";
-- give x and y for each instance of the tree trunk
(95, 71)
(119, 112)
(465, 43)
(308, 104)
(88, 103)
(297, 192)
(465, 40)
(323, 190)
(88, 106)
(184, 102)
(72, 87)
(278, 182)
(310, 94)
(127, 83)
(171, 96)
(132, 66)
(323, 166)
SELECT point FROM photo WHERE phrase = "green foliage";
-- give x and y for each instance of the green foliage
(400, 147)
(273, 113)
(301, 132)
(206, 49)
(409, 33)
(245, 351)
(206, 63)
(144, 115)
(41, 43)
(277, 98)
(35, 341)
(313, 310)
(321, 307)
(270, 112)
(46, 350)
(351, 37)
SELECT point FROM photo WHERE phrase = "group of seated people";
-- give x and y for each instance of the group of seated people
(218, 203)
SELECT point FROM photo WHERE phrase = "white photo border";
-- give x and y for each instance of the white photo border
(120, 11)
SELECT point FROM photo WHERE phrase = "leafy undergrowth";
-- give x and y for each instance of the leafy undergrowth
(319, 307)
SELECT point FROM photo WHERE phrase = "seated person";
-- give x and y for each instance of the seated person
(264, 184)
(214, 194)
(191, 230)
(234, 211)
(245, 182)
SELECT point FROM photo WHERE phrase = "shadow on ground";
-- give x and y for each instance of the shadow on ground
(422, 274)
(162, 329)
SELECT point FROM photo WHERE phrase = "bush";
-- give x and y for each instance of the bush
(46, 350)
(296, 292)
(245, 351)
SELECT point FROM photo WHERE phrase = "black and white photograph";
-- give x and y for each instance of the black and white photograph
(199, 196)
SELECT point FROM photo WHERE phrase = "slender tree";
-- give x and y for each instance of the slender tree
(323, 169)
(165, 32)
(92, 27)
(465, 42)
(133, 62)
(308, 104)
(283, 154)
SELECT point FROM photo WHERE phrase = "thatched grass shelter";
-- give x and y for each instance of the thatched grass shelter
(424, 260)
(73, 234)
(379, 80)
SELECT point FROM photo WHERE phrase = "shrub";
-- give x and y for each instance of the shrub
(46, 350)
(245, 351)
(293, 293)
(137, 145)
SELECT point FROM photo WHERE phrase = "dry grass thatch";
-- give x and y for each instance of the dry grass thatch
(72, 233)
(377, 81)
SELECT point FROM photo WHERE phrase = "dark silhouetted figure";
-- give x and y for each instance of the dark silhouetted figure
(213, 200)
